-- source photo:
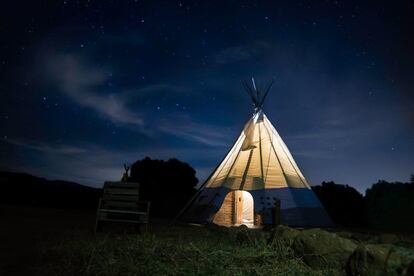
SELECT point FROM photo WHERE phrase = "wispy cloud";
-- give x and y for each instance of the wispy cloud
(43, 147)
(81, 83)
(187, 128)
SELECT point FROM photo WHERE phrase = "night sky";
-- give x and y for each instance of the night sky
(89, 85)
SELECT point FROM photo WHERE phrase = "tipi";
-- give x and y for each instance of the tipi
(258, 172)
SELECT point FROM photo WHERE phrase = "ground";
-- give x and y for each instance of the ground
(42, 241)
(26, 230)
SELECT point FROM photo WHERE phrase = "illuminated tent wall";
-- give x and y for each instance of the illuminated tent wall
(259, 163)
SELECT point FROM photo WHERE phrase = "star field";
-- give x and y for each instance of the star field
(89, 85)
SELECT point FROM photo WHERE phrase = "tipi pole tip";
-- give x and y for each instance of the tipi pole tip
(254, 84)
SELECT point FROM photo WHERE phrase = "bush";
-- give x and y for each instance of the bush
(169, 185)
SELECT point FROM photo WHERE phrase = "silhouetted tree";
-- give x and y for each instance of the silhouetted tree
(390, 205)
(343, 203)
(167, 184)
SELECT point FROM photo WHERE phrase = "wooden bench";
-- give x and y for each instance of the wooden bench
(120, 203)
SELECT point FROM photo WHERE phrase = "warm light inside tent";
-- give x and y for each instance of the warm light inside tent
(247, 208)
(237, 209)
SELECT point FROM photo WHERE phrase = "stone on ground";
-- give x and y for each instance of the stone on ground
(283, 234)
(380, 259)
(322, 249)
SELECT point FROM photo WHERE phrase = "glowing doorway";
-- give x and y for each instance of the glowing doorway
(246, 206)
(237, 209)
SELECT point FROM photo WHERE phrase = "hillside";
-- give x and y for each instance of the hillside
(22, 188)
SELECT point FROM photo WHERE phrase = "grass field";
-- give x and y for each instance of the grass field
(166, 250)
(41, 241)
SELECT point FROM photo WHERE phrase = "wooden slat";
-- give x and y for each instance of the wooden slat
(112, 197)
(123, 208)
(125, 204)
(121, 185)
(121, 191)
(122, 211)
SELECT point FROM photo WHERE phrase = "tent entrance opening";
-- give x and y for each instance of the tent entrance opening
(237, 209)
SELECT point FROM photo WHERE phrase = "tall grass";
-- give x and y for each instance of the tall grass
(177, 250)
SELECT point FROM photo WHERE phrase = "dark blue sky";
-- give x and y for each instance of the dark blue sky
(88, 85)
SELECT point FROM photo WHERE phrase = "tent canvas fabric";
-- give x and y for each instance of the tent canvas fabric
(261, 164)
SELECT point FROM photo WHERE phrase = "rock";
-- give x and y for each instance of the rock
(243, 235)
(322, 249)
(250, 236)
(242, 227)
(355, 236)
(283, 234)
(380, 259)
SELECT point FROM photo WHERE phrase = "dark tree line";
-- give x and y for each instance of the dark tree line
(386, 205)
(343, 203)
(390, 205)
(168, 185)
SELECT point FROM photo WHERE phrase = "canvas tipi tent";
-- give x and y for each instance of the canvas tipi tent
(258, 172)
